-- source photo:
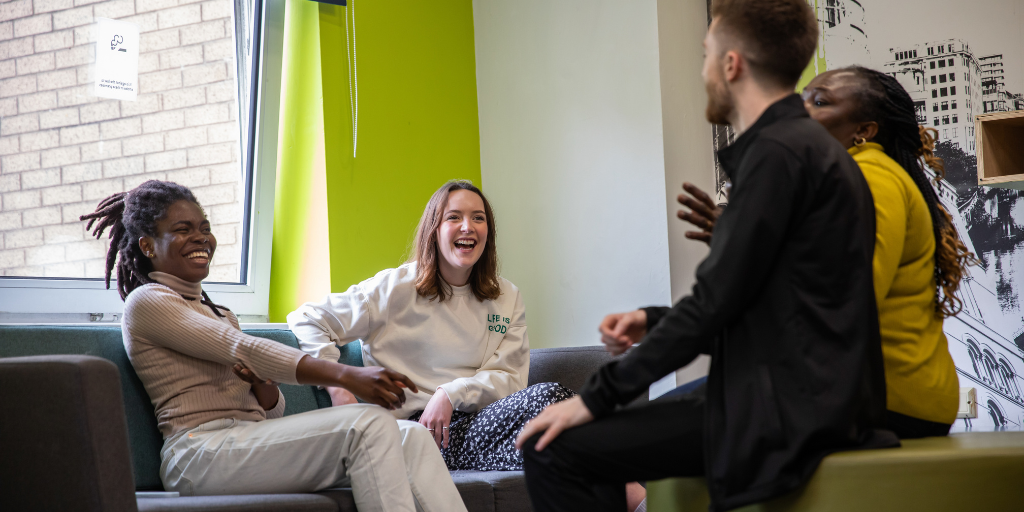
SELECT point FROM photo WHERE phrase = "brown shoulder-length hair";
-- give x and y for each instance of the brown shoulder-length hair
(429, 284)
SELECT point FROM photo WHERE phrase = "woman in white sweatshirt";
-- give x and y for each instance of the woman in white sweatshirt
(452, 325)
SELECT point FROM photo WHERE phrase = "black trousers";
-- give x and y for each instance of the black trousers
(586, 468)
(909, 427)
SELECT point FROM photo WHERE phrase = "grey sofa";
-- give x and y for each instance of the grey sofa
(78, 430)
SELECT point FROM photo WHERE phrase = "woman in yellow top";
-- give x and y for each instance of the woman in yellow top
(915, 279)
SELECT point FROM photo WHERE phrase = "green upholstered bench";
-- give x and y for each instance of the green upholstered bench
(968, 471)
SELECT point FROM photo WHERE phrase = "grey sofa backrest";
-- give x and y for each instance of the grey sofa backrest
(569, 366)
(63, 439)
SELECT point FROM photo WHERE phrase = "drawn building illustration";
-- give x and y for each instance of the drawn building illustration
(985, 359)
(843, 36)
(945, 80)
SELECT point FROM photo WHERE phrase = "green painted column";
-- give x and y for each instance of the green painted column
(817, 65)
(400, 119)
(300, 257)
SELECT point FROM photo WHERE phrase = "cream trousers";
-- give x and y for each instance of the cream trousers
(391, 466)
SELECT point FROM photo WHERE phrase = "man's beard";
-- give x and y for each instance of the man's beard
(720, 104)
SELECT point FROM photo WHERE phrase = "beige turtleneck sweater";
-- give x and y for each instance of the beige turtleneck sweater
(183, 353)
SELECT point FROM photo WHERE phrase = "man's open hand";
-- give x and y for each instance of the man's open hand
(553, 420)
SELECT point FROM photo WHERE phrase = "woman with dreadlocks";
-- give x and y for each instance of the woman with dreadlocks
(214, 388)
(919, 260)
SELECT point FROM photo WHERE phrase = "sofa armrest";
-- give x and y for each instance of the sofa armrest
(64, 439)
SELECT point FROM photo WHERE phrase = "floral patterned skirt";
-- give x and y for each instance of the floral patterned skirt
(486, 440)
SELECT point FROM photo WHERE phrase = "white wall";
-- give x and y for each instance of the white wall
(688, 151)
(572, 158)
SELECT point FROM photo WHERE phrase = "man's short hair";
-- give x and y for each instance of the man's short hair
(777, 37)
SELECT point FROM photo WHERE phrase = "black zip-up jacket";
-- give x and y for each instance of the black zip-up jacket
(784, 303)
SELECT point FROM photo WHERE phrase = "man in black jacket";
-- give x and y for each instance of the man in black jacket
(783, 303)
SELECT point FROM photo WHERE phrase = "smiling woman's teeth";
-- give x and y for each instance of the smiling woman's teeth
(198, 254)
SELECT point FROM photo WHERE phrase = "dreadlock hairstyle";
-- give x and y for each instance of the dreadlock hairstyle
(130, 216)
(887, 103)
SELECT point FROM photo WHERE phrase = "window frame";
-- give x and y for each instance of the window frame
(64, 299)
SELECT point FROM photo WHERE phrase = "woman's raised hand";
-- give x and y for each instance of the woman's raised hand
(437, 416)
(703, 212)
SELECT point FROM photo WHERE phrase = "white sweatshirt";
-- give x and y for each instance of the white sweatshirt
(477, 351)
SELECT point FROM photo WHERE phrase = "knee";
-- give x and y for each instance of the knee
(550, 392)
(414, 434)
(373, 419)
(534, 459)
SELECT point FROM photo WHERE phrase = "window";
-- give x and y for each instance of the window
(952, 77)
(936, 121)
(942, 78)
(931, 64)
(954, 122)
(951, 60)
(935, 93)
(945, 119)
(952, 90)
(190, 123)
(933, 79)
(935, 107)
(945, 134)
(953, 105)
(942, 63)
(943, 92)
(954, 128)
(945, 105)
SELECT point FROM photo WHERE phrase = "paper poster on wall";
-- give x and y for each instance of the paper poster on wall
(117, 59)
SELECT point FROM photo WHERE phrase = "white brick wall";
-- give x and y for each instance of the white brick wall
(62, 150)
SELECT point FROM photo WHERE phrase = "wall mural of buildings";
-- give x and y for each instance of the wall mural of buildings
(957, 60)
(956, 63)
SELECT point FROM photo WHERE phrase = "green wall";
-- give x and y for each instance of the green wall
(415, 68)
(417, 123)
(300, 147)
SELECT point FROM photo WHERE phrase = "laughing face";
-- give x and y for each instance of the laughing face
(462, 236)
(183, 245)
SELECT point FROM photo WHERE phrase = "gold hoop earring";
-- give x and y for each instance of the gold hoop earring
(859, 141)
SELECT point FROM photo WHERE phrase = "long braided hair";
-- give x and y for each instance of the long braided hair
(130, 216)
(884, 101)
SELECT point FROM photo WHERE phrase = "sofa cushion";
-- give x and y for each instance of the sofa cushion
(509, 488)
(242, 503)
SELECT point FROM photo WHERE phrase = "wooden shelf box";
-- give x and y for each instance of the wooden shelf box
(1000, 149)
